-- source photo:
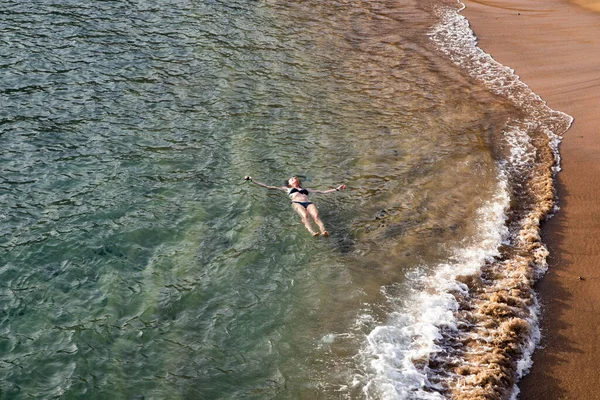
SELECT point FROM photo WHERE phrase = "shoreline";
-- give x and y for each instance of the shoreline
(554, 47)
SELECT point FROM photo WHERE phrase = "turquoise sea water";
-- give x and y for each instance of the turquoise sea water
(134, 260)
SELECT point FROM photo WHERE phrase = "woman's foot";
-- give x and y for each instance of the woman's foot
(315, 233)
(325, 233)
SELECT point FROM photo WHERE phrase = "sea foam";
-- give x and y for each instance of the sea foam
(397, 353)
(468, 329)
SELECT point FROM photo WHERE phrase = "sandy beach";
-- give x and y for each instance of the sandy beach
(554, 46)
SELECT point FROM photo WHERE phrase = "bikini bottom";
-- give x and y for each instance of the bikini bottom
(304, 204)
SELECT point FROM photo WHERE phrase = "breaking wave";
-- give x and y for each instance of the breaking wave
(468, 329)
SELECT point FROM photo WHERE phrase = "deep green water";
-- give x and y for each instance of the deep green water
(134, 260)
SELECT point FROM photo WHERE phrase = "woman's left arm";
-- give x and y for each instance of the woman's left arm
(337, 189)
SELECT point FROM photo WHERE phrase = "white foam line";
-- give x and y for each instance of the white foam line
(396, 354)
(454, 37)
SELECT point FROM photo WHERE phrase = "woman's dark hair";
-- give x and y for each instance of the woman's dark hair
(287, 181)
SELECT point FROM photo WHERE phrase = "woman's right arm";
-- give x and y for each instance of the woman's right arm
(249, 179)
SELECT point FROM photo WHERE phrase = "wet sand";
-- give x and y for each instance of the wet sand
(554, 46)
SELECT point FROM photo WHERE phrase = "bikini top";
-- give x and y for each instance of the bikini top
(295, 190)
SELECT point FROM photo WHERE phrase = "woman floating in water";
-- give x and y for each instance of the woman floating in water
(300, 202)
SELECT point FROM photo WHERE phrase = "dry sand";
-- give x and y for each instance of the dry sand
(554, 46)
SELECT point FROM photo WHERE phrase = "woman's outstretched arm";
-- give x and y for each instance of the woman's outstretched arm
(250, 179)
(337, 189)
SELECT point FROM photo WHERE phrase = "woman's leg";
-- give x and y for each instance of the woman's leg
(304, 216)
(314, 213)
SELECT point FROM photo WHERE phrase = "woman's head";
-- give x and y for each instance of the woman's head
(294, 181)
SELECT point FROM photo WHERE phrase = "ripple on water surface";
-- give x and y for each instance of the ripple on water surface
(136, 262)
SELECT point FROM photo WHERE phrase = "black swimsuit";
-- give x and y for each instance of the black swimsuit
(304, 204)
(295, 190)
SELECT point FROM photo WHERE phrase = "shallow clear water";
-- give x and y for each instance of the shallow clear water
(135, 261)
